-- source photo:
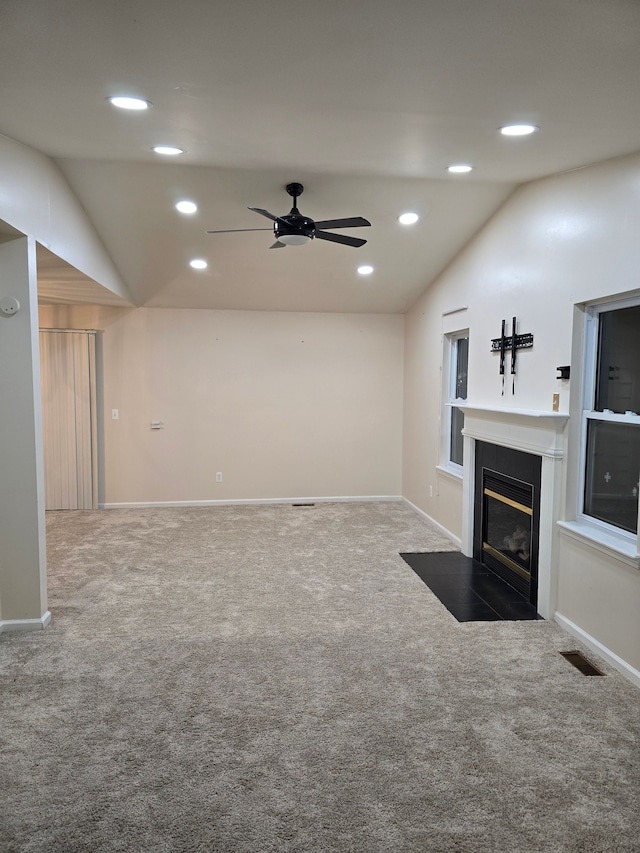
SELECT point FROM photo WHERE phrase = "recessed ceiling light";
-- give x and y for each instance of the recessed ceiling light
(365, 269)
(126, 103)
(518, 129)
(186, 206)
(459, 167)
(198, 264)
(168, 150)
(408, 218)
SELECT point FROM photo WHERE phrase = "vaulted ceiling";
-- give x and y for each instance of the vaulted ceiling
(364, 102)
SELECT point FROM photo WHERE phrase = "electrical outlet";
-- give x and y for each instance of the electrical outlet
(219, 477)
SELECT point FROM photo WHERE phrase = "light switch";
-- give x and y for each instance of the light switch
(115, 414)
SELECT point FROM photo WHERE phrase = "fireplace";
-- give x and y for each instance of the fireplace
(506, 511)
(539, 436)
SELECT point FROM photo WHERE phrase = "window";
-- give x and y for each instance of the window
(611, 420)
(457, 392)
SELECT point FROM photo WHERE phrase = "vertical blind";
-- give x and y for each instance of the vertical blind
(68, 413)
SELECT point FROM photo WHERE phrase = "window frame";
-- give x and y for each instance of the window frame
(449, 385)
(588, 414)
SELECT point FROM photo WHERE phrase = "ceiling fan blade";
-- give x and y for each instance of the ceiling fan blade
(264, 213)
(233, 230)
(340, 238)
(350, 222)
(277, 245)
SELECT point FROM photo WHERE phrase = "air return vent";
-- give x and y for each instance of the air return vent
(580, 662)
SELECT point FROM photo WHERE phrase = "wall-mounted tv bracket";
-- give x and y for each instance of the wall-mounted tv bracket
(511, 343)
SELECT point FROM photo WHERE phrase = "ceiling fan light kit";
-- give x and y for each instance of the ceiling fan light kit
(294, 239)
(294, 229)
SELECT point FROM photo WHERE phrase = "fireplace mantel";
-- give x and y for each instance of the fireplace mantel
(531, 431)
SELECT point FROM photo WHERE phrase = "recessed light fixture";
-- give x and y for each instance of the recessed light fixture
(198, 264)
(408, 218)
(168, 150)
(127, 103)
(186, 206)
(518, 129)
(459, 168)
(365, 269)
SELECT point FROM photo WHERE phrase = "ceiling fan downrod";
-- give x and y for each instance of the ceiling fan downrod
(295, 190)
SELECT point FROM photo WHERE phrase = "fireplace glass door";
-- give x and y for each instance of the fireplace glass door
(507, 528)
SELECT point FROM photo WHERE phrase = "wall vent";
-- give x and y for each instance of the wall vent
(580, 662)
(302, 504)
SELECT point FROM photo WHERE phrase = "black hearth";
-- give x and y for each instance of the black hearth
(506, 515)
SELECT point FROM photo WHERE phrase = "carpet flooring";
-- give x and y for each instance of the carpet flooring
(272, 679)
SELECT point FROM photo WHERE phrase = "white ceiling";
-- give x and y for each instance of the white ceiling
(364, 102)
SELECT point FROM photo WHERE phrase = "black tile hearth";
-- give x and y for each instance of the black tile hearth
(470, 591)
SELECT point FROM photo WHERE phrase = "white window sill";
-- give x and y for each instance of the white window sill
(603, 541)
(449, 471)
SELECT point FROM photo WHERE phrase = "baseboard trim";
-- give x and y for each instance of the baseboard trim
(617, 662)
(249, 501)
(455, 539)
(25, 624)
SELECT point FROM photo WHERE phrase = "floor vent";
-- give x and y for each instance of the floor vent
(302, 504)
(580, 662)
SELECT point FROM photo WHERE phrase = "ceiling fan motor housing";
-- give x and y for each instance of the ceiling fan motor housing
(294, 224)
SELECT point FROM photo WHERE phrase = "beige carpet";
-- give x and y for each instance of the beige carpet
(267, 678)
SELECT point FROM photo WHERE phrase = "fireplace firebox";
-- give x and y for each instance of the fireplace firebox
(506, 515)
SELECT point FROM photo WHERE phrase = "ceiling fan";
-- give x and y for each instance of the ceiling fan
(294, 229)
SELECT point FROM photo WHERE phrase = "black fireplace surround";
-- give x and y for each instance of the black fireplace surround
(506, 519)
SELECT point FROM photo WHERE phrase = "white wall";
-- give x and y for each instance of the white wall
(23, 589)
(37, 201)
(283, 404)
(556, 242)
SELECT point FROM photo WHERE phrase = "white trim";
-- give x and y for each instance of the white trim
(468, 494)
(531, 431)
(456, 473)
(612, 417)
(250, 501)
(503, 410)
(607, 543)
(69, 331)
(432, 521)
(449, 399)
(617, 662)
(25, 624)
(591, 330)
